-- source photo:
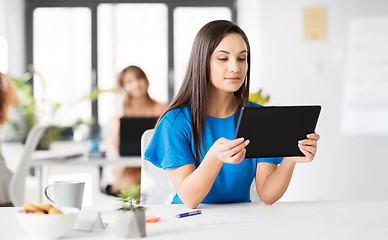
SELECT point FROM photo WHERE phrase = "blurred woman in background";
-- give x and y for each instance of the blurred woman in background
(8, 97)
(136, 102)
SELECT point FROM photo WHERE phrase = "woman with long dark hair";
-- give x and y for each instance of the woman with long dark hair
(194, 138)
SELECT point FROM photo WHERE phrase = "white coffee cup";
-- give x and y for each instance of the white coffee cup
(67, 193)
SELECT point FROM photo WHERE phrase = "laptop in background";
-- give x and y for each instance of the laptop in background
(131, 130)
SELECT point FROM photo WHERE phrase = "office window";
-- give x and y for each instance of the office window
(62, 61)
(195, 17)
(131, 34)
(4, 55)
(77, 46)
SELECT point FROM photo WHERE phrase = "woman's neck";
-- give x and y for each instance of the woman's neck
(138, 107)
(221, 104)
(139, 102)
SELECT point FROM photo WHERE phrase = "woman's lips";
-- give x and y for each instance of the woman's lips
(233, 79)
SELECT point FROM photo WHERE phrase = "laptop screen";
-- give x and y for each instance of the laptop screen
(131, 130)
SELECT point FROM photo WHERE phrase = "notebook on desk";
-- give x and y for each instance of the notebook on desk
(131, 130)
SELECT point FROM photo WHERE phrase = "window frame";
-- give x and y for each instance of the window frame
(31, 5)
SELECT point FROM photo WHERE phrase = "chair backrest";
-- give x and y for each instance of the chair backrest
(18, 182)
(156, 187)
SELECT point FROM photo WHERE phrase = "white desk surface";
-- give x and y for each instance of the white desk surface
(283, 220)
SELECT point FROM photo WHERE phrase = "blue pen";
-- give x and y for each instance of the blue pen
(186, 214)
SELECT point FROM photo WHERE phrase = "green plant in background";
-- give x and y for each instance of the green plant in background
(130, 198)
(95, 93)
(27, 114)
(27, 111)
(258, 97)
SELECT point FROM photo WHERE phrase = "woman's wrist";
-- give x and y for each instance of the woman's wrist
(213, 159)
(289, 161)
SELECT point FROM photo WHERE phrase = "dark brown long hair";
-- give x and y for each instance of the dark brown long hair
(194, 90)
(140, 74)
(8, 96)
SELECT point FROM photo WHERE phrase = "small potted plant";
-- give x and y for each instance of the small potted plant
(130, 219)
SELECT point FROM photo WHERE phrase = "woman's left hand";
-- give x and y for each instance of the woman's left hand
(308, 147)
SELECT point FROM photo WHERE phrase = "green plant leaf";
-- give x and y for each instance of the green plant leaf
(129, 197)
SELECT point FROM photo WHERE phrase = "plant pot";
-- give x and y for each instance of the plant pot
(130, 224)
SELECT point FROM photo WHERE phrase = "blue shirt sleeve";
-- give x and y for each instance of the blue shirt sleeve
(170, 146)
(273, 160)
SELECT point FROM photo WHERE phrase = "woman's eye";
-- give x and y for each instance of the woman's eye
(222, 59)
(242, 59)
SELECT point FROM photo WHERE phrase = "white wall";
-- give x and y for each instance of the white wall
(3, 11)
(297, 71)
(12, 29)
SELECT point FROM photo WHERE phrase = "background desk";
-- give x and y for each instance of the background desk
(44, 161)
(285, 220)
(43, 167)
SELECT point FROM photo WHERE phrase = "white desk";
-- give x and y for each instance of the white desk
(284, 220)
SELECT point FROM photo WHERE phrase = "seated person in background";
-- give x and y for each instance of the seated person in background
(8, 97)
(136, 102)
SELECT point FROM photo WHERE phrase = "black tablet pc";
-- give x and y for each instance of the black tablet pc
(275, 131)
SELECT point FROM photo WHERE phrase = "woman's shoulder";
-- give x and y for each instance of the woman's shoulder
(177, 115)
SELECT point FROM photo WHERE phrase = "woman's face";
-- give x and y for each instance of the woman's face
(133, 85)
(228, 63)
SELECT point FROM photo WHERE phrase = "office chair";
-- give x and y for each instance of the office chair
(18, 182)
(155, 187)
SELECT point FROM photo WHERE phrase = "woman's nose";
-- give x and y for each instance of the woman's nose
(234, 66)
(136, 84)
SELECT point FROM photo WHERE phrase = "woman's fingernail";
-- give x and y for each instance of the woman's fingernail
(247, 142)
(241, 139)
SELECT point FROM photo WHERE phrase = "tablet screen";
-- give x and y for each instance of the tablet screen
(275, 131)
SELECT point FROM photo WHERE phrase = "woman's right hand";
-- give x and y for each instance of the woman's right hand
(229, 151)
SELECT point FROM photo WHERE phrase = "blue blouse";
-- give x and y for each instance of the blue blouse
(172, 146)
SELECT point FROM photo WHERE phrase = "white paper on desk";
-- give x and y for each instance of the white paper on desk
(88, 220)
(219, 218)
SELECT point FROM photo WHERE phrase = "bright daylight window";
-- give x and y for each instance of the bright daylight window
(4, 55)
(62, 61)
(195, 17)
(77, 45)
(131, 34)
